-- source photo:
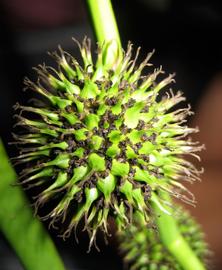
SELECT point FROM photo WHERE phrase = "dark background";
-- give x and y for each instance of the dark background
(187, 40)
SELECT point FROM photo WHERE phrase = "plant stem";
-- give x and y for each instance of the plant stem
(106, 29)
(25, 233)
(172, 239)
(104, 21)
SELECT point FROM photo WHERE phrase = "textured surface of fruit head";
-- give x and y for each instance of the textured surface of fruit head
(100, 142)
(143, 249)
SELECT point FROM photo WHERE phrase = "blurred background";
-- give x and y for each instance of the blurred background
(187, 40)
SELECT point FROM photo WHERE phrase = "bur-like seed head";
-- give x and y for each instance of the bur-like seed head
(101, 140)
(142, 248)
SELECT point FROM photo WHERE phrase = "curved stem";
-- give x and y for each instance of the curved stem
(25, 233)
(171, 237)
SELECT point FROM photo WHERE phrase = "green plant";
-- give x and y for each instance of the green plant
(103, 143)
(102, 140)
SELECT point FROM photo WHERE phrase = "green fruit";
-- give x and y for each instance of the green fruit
(142, 248)
(102, 141)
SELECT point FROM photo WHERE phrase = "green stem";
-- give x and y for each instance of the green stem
(171, 237)
(25, 233)
(106, 30)
(104, 21)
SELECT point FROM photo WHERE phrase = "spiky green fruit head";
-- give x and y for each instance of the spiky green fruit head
(102, 141)
(142, 248)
